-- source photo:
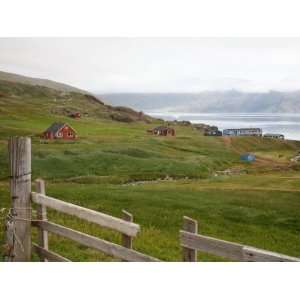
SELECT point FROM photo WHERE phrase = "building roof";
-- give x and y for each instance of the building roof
(211, 129)
(56, 126)
(160, 127)
(243, 129)
(273, 134)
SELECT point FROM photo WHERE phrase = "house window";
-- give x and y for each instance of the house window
(70, 134)
(59, 134)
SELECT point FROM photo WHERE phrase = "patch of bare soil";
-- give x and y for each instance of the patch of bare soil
(227, 141)
(271, 164)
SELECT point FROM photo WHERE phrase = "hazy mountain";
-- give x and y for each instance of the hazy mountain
(39, 82)
(204, 102)
(231, 101)
(58, 100)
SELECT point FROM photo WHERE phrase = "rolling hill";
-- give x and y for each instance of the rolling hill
(15, 96)
(115, 164)
(15, 78)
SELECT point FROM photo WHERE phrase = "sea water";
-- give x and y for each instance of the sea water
(287, 124)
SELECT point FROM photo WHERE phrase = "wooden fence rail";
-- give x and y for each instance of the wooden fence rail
(234, 251)
(128, 228)
(47, 255)
(20, 219)
(94, 242)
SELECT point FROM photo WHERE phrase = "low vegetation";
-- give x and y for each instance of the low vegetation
(115, 164)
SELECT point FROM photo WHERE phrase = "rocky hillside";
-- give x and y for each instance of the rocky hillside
(15, 96)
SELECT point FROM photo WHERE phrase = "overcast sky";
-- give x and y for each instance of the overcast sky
(105, 65)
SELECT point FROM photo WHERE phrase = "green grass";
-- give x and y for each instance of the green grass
(261, 209)
(262, 218)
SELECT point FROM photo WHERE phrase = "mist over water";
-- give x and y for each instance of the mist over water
(287, 124)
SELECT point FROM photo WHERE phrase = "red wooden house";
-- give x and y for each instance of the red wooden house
(75, 115)
(60, 131)
(162, 130)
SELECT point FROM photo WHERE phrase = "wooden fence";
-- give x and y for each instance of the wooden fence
(126, 227)
(192, 242)
(20, 220)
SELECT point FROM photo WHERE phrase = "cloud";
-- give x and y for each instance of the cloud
(157, 64)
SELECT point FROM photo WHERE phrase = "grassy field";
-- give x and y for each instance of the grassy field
(117, 165)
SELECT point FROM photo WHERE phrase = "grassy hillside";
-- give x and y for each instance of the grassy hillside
(105, 147)
(116, 165)
(15, 78)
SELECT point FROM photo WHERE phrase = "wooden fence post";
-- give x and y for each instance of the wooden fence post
(189, 225)
(19, 149)
(41, 215)
(126, 239)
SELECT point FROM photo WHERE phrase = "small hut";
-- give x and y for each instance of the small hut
(75, 115)
(162, 131)
(59, 131)
(278, 136)
(212, 132)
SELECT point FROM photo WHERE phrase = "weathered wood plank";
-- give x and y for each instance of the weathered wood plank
(126, 239)
(190, 225)
(96, 243)
(42, 235)
(258, 255)
(231, 250)
(19, 149)
(47, 255)
(104, 220)
(211, 245)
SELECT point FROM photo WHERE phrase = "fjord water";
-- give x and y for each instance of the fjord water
(287, 124)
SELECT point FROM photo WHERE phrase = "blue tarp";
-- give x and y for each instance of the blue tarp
(247, 157)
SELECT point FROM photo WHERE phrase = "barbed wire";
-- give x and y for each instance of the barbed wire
(10, 216)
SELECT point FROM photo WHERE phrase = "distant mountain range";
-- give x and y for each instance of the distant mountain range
(39, 82)
(58, 100)
(231, 101)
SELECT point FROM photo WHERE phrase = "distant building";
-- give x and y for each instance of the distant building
(162, 130)
(212, 132)
(274, 136)
(243, 132)
(247, 157)
(59, 131)
(75, 115)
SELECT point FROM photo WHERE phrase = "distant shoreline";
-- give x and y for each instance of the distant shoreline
(287, 124)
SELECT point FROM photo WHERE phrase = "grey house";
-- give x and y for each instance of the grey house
(243, 132)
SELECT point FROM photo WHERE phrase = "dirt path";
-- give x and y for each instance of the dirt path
(271, 163)
(227, 141)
